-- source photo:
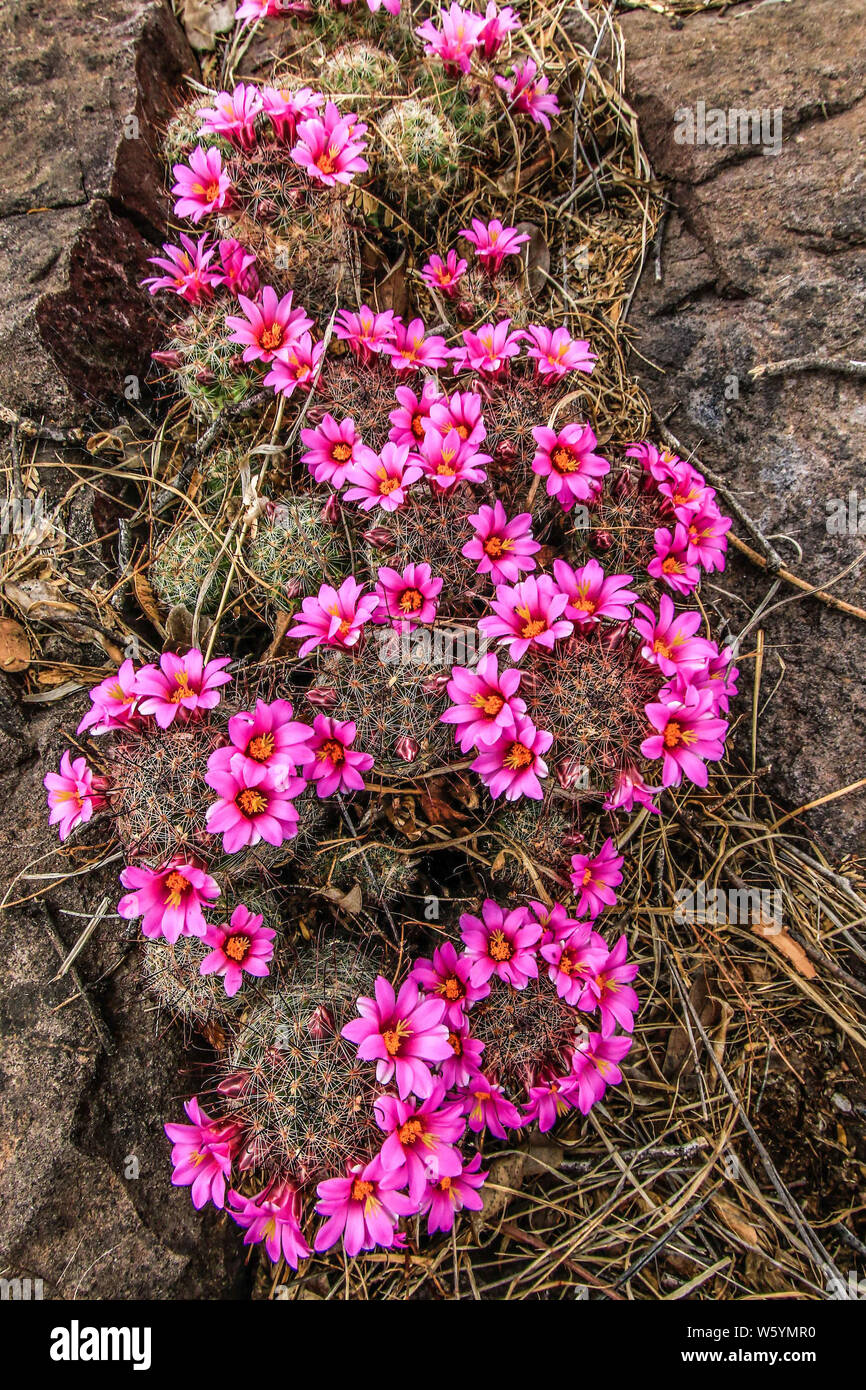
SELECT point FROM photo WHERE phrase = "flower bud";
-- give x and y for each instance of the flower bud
(322, 697)
(407, 748)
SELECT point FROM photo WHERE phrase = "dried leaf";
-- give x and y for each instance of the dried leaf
(787, 946)
(736, 1220)
(351, 901)
(506, 1172)
(204, 19)
(679, 1056)
(39, 599)
(536, 257)
(15, 654)
(147, 600)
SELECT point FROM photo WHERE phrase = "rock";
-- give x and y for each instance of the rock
(763, 260)
(85, 94)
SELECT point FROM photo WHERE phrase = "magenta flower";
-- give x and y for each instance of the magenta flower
(484, 704)
(188, 272)
(169, 900)
(366, 332)
(202, 186)
(331, 450)
(233, 115)
(202, 1155)
(455, 41)
(447, 976)
(335, 617)
(381, 480)
(528, 91)
(488, 351)
(421, 1139)
(444, 275)
(272, 1217)
(240, 945)
(267, 326)
(549, 1101)
(409, 420)
(464, 1061)
(502, 548)
(555, 922)
(410, 350)
(363, 1208)
(592, 595)
(501, 944)
(73, 794)
(594, 1067)
(566, 459)
(513, 765)
(330, 146)
(486, 1107)
(113, 703)
(254, 804)
(295, 365)
(669, 639)
(573, 960)
(267, 737)
(284, 109)
(408, 599)
(252, 10)
(446, 1196)
(660, 464)
(461, 412)
(528, 614)
(594, 878)
(239, 274)
(671, 563)
(687, 732)
(706, 538)
(609, 989)
(629, 787)
(497, 25)
(720, 676)
(493, 242)
(404, 1035)
(685, 491)
(447, 459)
(336, 766)
(556, 353)
(180, 685)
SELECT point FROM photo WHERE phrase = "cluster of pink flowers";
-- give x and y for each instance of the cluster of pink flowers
(695, 538)
(458, 35)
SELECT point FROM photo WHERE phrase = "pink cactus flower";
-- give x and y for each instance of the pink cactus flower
(239, 945)
(381, 480)
(528, 614)
(502, 548)
(488, 351)
(528, 91)
(501, 944)
(594, 878)
(444, 276)
(447, 976)
(486, 1107)
(188, 270)
(629, 787)
(706, 538)
(284, 109)
(549, 1101)
(493, 242)
(411, 348)
(497, 25)
(331, 450)
(573, 960)
(659, 464)
(685, 491)
(273, 1217)
(73, 794)
(447, 459)
(254, 804)
(404, 1034)
(335, 617)
(421, 1139)
(609, 990)
(233, 116)
(669, 638)
(461, 411)
(464, 1061)
(594, 1067)
(202, 1155)
(556, 353)
(566, 459)
(484, 704)
(446, 1196)
(593, 595)
(409, 420)
(455, 41)
(366, 333)
(336, 766)
(513, 765)
(169, 900)
(556, 923)
(113, 703)
(363, 1208)
(407, 599)
(267, 326)
(687, 732)
(671, 563)
(266, 737)
(180, 685)
(330, 147)
(239, 274)
(295, 365)
(202, 186)
(720, 676)
(254, 10)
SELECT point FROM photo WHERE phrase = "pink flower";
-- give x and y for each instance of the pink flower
(295, 364)
(447, 976)
(660, 465)
(566, 459)
(363, 1208)
(493, 242)
(573, 960)
(720, 676)
(528, 92)
(285, 109)
(335, 617)
(489, 350)
(556, 353)
(113, 703)
(461, 412)
(187, 270)
(233, 115)
(169, 900)
(669, 638)
(407, 599)
(382, 479)
(514, 764)
(446, 459)
(252, 10)
(549, 1101)
(331, 450)
(594, 878)
(242, 944)
(685, 491)
(366, 332)
(336, 765)
(330, 146)
(688, 731)
(253, 805)
(239, 274)
(592, 595)
(501, 944)
(268, 737)
(707, 539)
(180, 685)
(464, 1061)
(528, 614)
(409, 420)
(444, 275)
(594, 1067)
(272, 1217)
(267, 326)
(72, 794)
(409, 349)
(455, 41)
(486, 1107)
(446, 1196)
(671, 563)
(609, 989)
(202, 1155)
(502, 548)
(555, 922)
(497, 24)
(484, 704)
(403, 1034)
(201, 186)
(421, 1139)
(629, 787)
